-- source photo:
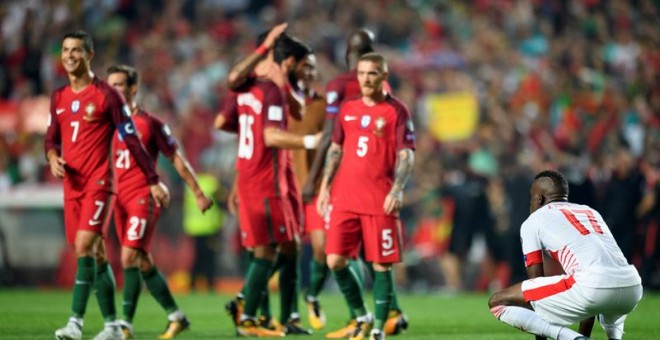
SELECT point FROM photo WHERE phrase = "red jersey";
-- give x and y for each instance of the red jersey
(248, 112)
(80, 128)
(155, 136)
(344, 86)
(371, 137)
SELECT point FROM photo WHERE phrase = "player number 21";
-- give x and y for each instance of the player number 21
(362, 146)
(570, 216)
(136, 228)
(123, 159)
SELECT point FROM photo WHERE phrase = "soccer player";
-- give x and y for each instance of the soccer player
(83, 117)
(343, 86)
(598, 279)
(135, 213)
(257, 112)
(311, 123)
(367, 166)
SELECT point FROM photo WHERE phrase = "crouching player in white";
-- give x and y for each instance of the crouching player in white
(598, 281)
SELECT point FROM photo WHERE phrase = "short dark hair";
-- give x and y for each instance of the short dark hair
(286, 46)
(86, 38)
(559, 182)
(132, 76)
(289, 46)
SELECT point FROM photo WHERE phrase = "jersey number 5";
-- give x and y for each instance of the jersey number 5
(245, 137)
(362, 146)
(570, 216)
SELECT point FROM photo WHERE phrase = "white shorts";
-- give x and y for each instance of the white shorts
(562, 301)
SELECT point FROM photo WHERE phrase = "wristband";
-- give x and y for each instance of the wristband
(261, 50)
(309, 141)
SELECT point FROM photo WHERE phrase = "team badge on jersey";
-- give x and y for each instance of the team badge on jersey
(75, 105)
(331, 97)
(379, 124)
(364, 121)
(89, 112)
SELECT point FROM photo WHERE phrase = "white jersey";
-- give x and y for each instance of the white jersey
(577, 237)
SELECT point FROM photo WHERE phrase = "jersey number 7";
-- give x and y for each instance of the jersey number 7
(570, 216)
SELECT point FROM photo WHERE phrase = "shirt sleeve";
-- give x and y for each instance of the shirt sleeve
(53, 137)
(273, 106)
(230, 112)
(531, 243)
(334, 94)
(338, 129)
(121, 117)
(163, 137)
(405, 129)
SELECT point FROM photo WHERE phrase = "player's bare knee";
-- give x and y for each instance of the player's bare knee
(129, 257)
(382, 267)
(336, 262)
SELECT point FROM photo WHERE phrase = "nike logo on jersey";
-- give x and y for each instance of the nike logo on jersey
(388, 252)
(94, 222)
(350, 118)
(59, 111)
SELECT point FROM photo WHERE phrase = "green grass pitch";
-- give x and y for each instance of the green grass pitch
(35, 314)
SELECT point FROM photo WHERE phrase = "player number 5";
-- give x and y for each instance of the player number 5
(362, 146)
(388, 242)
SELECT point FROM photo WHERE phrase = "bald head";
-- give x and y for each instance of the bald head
(549, 186)
(359, 42)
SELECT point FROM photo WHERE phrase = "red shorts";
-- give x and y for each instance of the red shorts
(89, 212)
(262, 221)
(313, 221)
(293, 214)
(135, 219)
(381, 236)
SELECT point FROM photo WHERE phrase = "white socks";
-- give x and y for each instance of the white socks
(177, 315)
(528, 321)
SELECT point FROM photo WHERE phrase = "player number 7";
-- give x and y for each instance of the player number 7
(570, 216)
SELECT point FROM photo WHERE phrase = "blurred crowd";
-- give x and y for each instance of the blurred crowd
(569, 85)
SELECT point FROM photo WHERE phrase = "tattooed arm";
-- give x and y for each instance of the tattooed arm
(332, 161)
(404, 166)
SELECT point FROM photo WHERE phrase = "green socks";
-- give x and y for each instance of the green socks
(256, 282)
(85, 278)
(357, 270)
(132, 288)
(158, 288)
(319, 273)
(351, 289)
(105, 292)
(394, 303)
(383, 288)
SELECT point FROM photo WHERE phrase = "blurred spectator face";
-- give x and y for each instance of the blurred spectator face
(75, 58)
(306, 71)
(371, 77)
(118, 80)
